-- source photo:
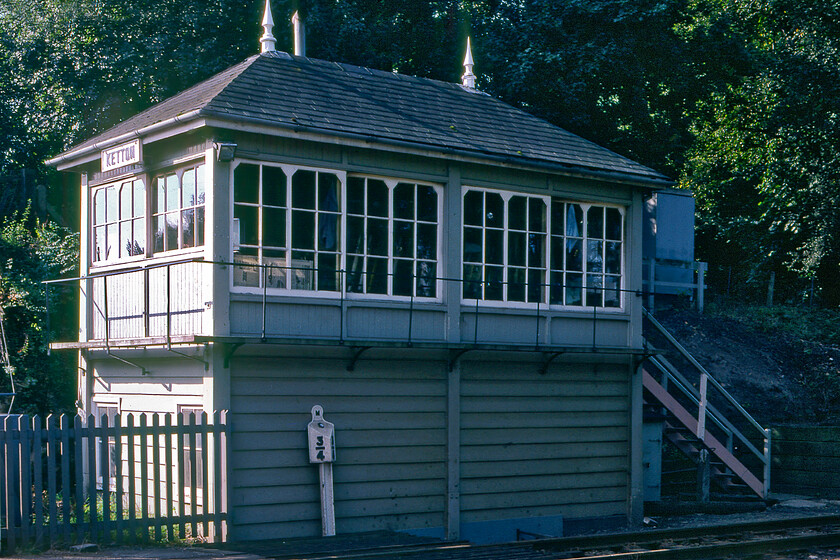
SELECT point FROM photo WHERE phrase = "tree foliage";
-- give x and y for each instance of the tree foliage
(31, 252)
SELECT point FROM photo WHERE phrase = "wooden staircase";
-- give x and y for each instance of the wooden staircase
(695, 424)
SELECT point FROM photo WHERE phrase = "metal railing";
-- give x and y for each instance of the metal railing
(711, 413)
(153, 314)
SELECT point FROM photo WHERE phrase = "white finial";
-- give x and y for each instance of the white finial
(468, 79)
(267, 40)
(300, 34)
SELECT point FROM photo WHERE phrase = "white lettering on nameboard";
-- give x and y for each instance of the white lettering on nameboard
(120, 156)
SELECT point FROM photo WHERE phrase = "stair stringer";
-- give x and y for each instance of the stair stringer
(711, 442)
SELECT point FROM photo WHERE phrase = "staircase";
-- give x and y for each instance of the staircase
(729, 449)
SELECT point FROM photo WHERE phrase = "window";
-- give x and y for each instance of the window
(288, 226)
(586, 256)
(504, 246)
(279, 215)
(178, 205)
(392, 238)
(119, 220)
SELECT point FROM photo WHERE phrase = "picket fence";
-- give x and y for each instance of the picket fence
(136, 478)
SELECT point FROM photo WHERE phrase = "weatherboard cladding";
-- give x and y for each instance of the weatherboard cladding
(308, 95)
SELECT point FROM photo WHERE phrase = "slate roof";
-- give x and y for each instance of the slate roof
(298, 93)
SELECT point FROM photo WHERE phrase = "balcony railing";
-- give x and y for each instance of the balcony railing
(171, 304)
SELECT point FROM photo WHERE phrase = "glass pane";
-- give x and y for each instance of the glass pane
(188, 228)
(99, 250)
(494, 246)
(171, 231)
(172, 194)
(139, 199)
(516, 284)
(404, 201)
(426, 279)
(495, 211)
(377, 198)
(99, 207)
(595, 222)
(403, 277)
(613, 224)
(403, 239)
(613, 258)
(574, 221)
(473, 245)
(556, 292)
(303, 190)
(274, 227)
(494, 283)
(536, 214)
(516, 248)
(594, 256)
(159, 234)
(199, 184)
(472, 281)
(427, 204)
(355, 235)
(377, 276)
(160, 195)
(327, 231)
(301, 271)
(248, 224)
(303, 229)
(126, 194)
(556, 253)
(536, 281)
(594, 290)
(574, 293)
(112, 204)
(377, 237)
(427, 241)
(199, 226)
(557, 217)
(273, 186)
(188, 188)
(474, 208)
(355, 274)
(612, 292)
(517, 208)
(536, 250)
(112, 241)
(327, 192)
(139, 244)
(275, 272)
(356, 195)
(327, 272)
(574, 254)
(244, 275)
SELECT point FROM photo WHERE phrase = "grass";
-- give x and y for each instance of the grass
(803, 323)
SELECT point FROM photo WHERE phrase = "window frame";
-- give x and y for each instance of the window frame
(343, 214)
(547, 249)
(93, 225)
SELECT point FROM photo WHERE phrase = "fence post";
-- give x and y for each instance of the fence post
(701, 285)
(651, 283)
(701, 416)
(12, 483)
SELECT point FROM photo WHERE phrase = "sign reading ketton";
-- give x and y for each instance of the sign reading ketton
(122, 155)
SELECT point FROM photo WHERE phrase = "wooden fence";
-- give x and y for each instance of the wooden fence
(136, 478)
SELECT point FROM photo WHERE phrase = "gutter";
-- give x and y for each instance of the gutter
(67, 156)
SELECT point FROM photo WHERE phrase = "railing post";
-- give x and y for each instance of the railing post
(701, 285)
(767, 451)
(411, 315)
(701, 416)
(342, 275)
(264, 296)
(168, 307)
(475, 335)
(105, 305)
(47, 305)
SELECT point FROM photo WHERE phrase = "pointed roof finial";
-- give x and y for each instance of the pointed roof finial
(468, 79)
(300, 34)
(267, 40)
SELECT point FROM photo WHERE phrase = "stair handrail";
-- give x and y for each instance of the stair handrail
(705, 377)
(703, 371)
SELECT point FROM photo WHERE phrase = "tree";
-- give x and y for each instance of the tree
(30, 253)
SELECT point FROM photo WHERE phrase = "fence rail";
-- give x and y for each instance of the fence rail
(135, 478)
